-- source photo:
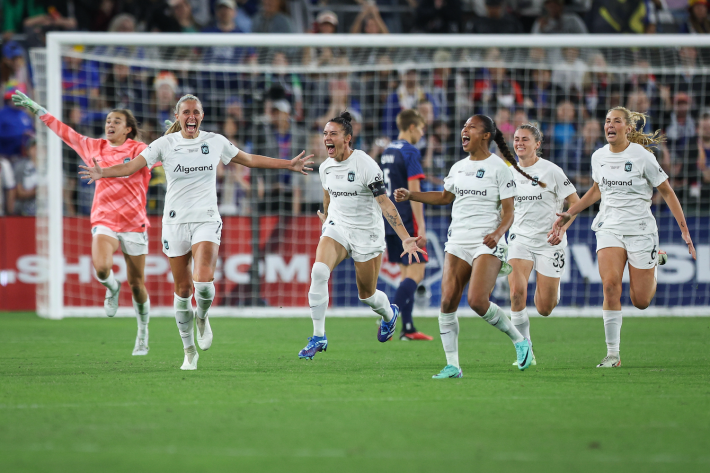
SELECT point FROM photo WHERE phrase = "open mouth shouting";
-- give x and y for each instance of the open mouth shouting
(330, 147)
(191, 125)
(465, 139)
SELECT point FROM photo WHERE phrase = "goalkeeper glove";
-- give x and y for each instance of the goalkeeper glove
(168, 124)
(21, 100)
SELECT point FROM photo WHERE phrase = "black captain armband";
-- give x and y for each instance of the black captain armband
(377, 188)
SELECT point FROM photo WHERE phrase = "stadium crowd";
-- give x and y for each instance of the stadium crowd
(566, 91)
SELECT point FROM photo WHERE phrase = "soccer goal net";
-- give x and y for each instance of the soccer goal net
(273, 94)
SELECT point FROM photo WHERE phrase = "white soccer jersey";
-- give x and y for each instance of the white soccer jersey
(626, 181)
(191, 172)
(479, 186)
(351, 201)
(535, 207)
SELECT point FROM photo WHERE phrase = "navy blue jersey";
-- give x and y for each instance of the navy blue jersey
(400, 163)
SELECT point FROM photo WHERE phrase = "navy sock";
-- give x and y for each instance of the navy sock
(404, 298)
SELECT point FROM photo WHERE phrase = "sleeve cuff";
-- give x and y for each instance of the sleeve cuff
(418, 176)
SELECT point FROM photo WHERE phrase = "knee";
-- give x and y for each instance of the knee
(612, 290)
(137, 286)
(640, 303)
(102, 272)
(479, 305)
(365, 294)
(545, 309)
(448, 304)
(320, 273)
(518, 295)
(183, 289)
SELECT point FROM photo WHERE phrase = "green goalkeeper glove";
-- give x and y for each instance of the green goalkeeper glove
(21, 100)
(168, 124)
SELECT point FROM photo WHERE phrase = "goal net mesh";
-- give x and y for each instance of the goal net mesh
(275, 102)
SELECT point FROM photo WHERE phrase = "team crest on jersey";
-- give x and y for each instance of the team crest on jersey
(480, 173)
(205, 148)
(628, 166)
(165, 244)
(126, 160)
(535, 179)
(172, 214)
(351, 176)
(512, 236)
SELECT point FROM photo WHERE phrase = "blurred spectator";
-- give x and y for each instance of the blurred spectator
(326, 23)
(15, 123)
(225, 14)
(527, 11)
(616, 16)
(704, 153)
(438, 155)
(80, 81)
(520, 117)
(578, 166)
(369, 21)
(496, 21)
(378, 85)
(233, 181)
(273, 17)
(123, 23)
(496, 89)
(505, 124)
(7, 188)
(26, 178)
(121, 89)
(15, 12)
(438, 16)
(182, 12)
(161, 18)
(409, 94)
(449, 88)
(698, 21)
(639, 102)
(289, 83)
(14, 68)
(54, 17)
(689, 78)
(597, 87)
(643, 80)
(568, 75)
(682, 143)
(165, 86)
(562, 134)
(339, 99)
(557, 20)
(101, 14)
(310, 189)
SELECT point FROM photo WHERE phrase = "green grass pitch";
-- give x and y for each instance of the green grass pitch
(72, 398)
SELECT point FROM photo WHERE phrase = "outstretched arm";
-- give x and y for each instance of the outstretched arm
(297, 164)
(119, 170)
(432, 198)
(672, 201)
(418, 210)
(556, 238)
(592, 195)
(392, 216)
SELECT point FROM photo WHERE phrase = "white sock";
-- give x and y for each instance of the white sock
(521, 322)
(449, 331)
(184, 318)
(142, 315)
(204, 295)
(110, 282)
(380, 303)
(496, 317)
(612, 330)
(318, 297)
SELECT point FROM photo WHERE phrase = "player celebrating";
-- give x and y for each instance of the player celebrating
(482, 188)
(354, 200)
(532, 244)
(401, 166)
(192, 226)
(118, 215)
(625, 172)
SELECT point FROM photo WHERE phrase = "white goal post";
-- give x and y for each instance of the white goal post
(50, 222)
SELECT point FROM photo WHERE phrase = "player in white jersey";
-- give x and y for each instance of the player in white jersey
(192, 226)
(354, 201)
(625, 172)
(482, 188)
(531, 242)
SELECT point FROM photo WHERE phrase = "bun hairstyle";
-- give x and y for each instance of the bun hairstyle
(130, 122)
(490, 127)
(176, 124)
(344, 120)
(537, 134)
(647, 140)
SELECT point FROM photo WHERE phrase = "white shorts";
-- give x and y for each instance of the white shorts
(641, 250)
(179, 238)
(469, 253)
(132, 243)
(549, 262)
(361, 245)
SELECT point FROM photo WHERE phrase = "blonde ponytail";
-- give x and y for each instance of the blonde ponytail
(175, 127)
(634, 119)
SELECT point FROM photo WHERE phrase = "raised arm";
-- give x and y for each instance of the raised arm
(119, 170)
(297, 164)
(592, 195)
(432, 198)
(392, 216)
(671, 199)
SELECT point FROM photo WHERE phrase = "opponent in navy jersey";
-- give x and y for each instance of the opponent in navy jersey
(402, 169)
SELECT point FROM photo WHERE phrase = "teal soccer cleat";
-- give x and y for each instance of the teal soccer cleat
(449, 371)
(525, 354)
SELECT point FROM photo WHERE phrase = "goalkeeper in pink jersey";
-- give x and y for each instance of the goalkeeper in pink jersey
(118, 215)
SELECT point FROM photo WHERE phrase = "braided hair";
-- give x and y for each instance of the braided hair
(489, 126)
(344, 120)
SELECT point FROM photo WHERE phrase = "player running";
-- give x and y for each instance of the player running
(401, 167)
(118, 215)
(531, 242)
(482, 188)
(192, 226)
(354, 201)
(625, 172)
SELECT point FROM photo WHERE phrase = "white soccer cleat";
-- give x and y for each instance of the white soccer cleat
(141, 347)
(191, 357)
(610, 361)
(111, 301)
(204, 333)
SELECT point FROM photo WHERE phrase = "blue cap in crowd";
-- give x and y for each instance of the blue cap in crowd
(12, 49)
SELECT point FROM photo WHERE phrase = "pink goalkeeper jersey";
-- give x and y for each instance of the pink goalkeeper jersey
(119, 203)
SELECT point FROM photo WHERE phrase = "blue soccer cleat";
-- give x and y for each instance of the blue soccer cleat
(315, 344)
(387, 329)
(525, 354)
(449, 371)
